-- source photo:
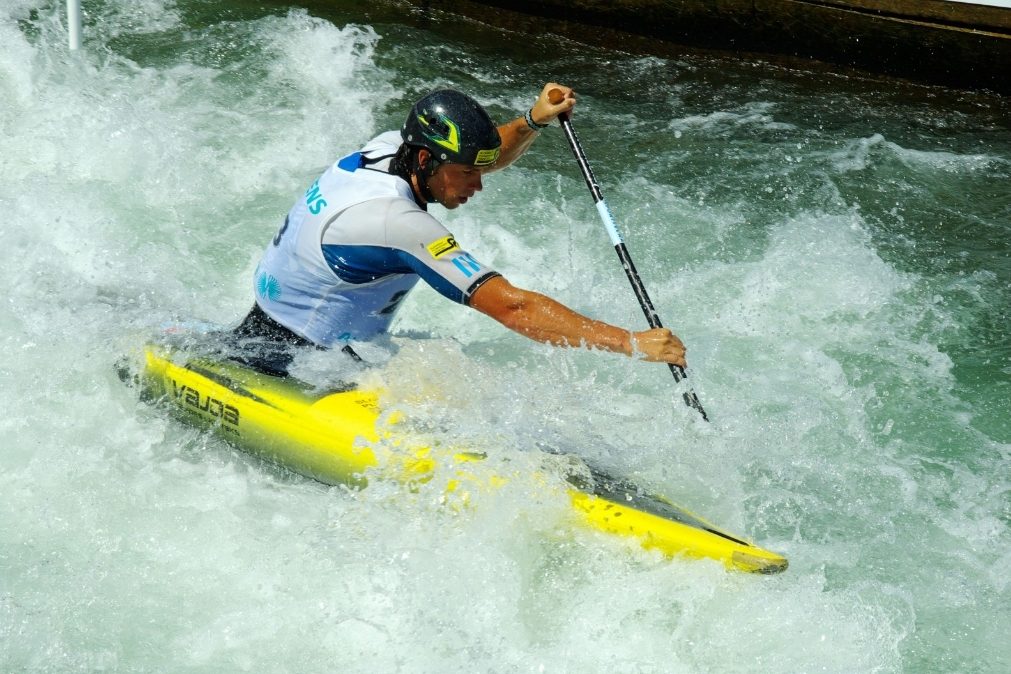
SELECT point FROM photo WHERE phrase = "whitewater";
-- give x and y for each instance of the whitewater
(832, 248)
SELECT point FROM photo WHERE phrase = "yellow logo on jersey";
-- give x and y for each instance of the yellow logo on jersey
(440, 247)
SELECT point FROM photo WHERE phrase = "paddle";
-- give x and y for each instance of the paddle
(556, 96)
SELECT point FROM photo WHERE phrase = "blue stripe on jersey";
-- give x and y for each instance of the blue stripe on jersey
(362, 264)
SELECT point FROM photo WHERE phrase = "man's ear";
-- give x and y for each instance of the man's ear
(424, 156)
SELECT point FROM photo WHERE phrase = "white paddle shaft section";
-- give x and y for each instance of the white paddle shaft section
(612, 229)
(74, 23)
(689, 396)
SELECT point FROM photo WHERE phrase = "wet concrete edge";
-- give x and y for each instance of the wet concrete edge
(932, 41)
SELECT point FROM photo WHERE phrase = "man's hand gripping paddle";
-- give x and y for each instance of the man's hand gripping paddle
(556, 96)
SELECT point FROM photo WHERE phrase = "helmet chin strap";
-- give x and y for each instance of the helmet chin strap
(423, 173)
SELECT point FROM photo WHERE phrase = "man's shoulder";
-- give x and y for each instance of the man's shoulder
(399, 213)
(384, 143)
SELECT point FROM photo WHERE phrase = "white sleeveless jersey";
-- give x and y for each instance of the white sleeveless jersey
(352, 247)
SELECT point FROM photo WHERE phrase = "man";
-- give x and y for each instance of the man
(361, 237)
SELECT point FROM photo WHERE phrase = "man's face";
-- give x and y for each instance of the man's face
(453, 184)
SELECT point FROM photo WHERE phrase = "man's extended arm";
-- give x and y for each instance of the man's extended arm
(543, 319)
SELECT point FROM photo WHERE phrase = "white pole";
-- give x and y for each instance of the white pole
(74, 23)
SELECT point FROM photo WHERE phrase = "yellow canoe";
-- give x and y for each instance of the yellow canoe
(340, 437)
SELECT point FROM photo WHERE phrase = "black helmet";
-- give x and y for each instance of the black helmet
(454, 128)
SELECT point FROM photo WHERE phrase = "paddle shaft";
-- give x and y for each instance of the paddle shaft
(690, 398)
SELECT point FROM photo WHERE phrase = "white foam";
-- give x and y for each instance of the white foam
(859, 154)
(754, 114)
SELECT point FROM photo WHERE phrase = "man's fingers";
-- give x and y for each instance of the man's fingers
(659, 345)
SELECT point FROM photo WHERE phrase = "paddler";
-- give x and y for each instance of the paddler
(361, 237)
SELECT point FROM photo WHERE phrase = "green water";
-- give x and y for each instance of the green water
(833, 249)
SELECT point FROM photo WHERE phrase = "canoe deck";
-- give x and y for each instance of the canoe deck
(342, 437)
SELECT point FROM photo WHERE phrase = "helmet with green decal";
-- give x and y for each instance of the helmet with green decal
(454, 128)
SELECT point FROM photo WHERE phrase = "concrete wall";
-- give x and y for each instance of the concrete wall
(957, 44)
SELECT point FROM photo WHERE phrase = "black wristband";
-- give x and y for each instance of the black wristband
(529, 118)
